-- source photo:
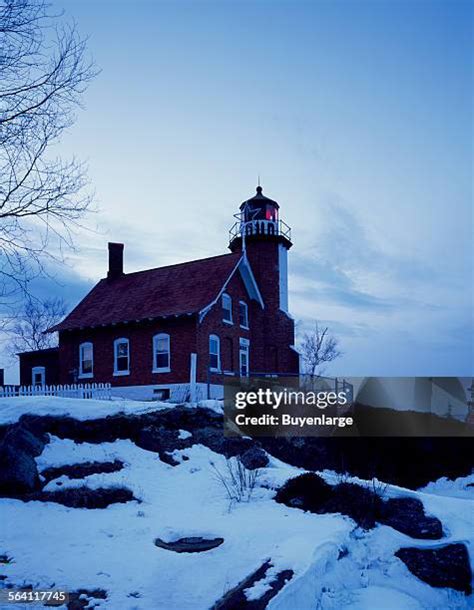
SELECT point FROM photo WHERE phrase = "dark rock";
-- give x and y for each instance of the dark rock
(407, 515)
(79, 471)
(4, 558)
(355, 501)
(343, 552)
(307, 491)
(446, 566)
(80, 599)
(191, 544)
(20, 438)
(254, 458)
(83, 497)
(235, 599)
(162, 441)
(158, 439)
(18, 472)
(183, 418)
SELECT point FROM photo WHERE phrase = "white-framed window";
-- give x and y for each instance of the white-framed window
(214, 353)
(38, 375)
(86, 360)
(244, 366)
(227, 308)
(243, 314)
(121, 357)
(161, 353)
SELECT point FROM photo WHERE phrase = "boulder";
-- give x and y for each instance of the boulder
(18, 472)
(21, 438)
(446, 566)
(254, 458)
(407, 515)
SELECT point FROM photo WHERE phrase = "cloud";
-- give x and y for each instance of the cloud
(394, 314)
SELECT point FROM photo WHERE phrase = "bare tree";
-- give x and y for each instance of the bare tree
(318, 347)
(27, 331)
(43, 73)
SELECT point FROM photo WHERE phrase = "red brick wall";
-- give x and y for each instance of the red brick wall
(182, 333)
(47, 358)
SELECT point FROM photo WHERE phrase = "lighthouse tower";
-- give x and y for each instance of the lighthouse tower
(265, 239)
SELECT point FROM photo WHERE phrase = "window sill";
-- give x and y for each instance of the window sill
(121, 373)
(229, 322)
(86, 376)
(215, 371)
(163, 370)
(229, 373)
(245, 327)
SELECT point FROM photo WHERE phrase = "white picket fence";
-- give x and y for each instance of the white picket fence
(99, 391)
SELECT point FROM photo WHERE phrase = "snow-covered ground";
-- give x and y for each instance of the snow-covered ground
(11, 409)
(335, 565)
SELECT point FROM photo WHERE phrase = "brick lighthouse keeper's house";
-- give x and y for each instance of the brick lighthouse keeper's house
(182, 328)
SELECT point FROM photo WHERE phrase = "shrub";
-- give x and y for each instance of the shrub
(307, 491)
(237, 481)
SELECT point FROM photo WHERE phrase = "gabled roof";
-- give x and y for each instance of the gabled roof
(176, 290)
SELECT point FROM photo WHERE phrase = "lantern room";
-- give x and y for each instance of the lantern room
(259, 218)
(259, 207)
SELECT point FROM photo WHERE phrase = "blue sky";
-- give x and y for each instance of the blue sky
(356, 115)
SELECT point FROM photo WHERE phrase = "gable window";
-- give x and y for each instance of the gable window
(161, 353)
(121, 357)
(214, 353)
(227, 308)
(243, 314)
(86, 360)
(38, 375)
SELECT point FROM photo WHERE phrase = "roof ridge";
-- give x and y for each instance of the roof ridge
(197, 260)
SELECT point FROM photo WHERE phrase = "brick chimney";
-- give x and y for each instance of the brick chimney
(115, 261)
